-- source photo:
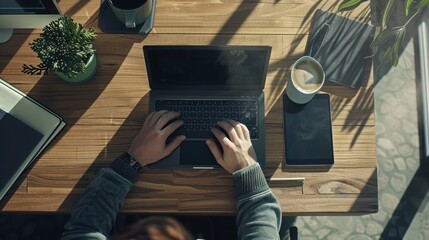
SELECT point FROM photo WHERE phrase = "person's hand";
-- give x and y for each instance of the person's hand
(238, 151)
(150, 145)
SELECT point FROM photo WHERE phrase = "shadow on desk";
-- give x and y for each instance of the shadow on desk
(116, 146)
(9, 49)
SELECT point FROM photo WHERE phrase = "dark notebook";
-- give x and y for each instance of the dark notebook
(342, 46)
(17, 141)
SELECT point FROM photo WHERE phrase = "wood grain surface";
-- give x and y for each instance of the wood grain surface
(104, 114)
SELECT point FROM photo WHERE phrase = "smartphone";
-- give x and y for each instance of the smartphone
(308, 132)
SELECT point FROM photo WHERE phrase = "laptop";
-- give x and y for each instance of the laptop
(208, 84)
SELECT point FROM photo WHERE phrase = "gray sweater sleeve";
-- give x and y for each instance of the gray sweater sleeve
(95, 213)
(259, 214)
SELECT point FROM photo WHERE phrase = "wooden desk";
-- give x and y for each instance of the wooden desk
(104, 114)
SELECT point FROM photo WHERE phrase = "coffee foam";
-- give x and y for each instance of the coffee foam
(307, 76)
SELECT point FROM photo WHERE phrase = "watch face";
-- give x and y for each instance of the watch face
(132, 161)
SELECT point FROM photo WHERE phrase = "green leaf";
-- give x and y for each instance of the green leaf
(387, 13)
(388, 56)
(422, 4)
(395, 60)
(391, 54)
(407, 6)
(349, 5)
(399, 38)
(384, 36)
(398, 43)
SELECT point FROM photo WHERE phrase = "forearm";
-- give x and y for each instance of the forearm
(95, 213)
(259, 214)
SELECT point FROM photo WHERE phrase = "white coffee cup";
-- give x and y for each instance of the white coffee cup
(132, 17)
(306, 78)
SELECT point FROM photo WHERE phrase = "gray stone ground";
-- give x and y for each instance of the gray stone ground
(402, 179)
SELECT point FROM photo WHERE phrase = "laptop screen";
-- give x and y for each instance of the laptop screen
(207, 67)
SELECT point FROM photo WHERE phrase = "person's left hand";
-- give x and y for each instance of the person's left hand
(150, 145)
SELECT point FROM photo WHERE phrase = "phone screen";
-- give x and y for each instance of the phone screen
(308, 131)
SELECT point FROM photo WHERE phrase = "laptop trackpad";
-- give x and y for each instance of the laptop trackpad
(196, 153)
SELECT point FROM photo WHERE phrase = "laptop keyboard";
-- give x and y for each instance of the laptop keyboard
(200, 116)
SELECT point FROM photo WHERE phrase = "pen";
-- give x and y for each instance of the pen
(286, 179)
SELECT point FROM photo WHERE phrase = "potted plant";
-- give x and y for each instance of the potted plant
(65, 48)
(391, 35)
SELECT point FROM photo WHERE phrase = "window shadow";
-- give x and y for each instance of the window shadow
(235, 21)
(10, 49)
(75, 8)
(369, 192)
(117, 144)
(413, 199)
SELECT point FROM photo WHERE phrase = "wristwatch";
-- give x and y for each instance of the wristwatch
(128, 159)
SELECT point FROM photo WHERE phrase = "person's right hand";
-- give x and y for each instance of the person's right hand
(238, 151)
(150, 145)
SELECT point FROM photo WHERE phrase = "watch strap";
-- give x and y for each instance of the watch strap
(126, 166)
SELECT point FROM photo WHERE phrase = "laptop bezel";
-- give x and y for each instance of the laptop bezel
(153, 83)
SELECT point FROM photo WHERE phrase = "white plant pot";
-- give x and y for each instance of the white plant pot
(90, 69)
